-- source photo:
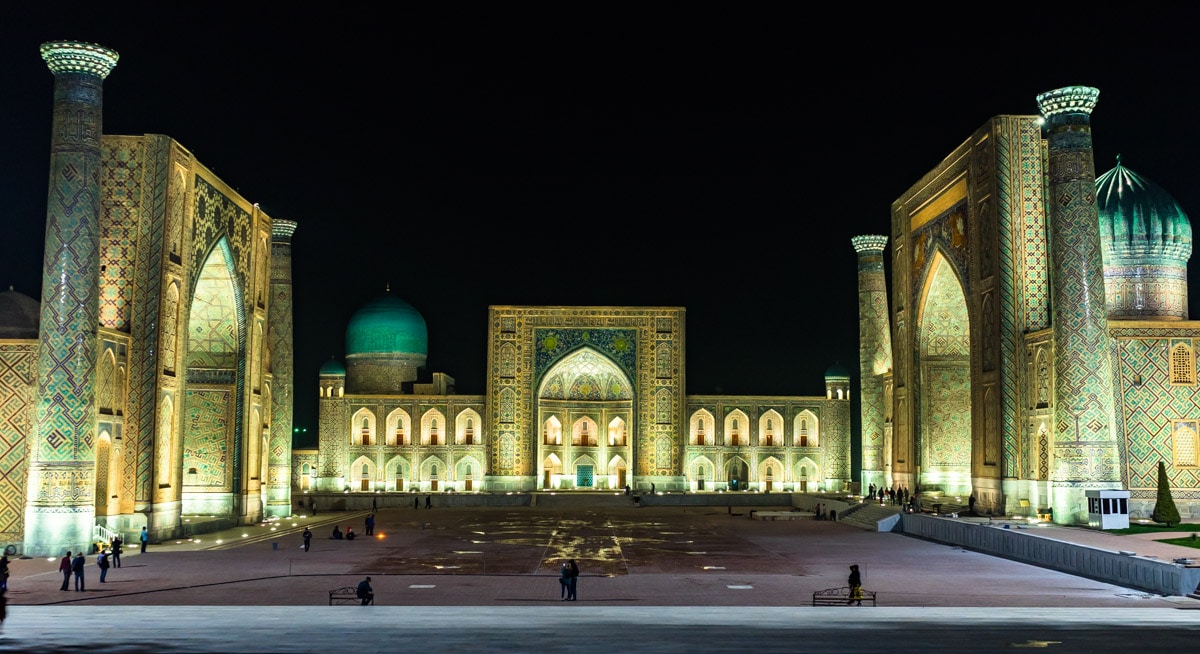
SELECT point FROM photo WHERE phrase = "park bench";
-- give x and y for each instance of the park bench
(346, 595)
(840, 597)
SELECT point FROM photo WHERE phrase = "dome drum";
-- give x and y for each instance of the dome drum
(381, 374)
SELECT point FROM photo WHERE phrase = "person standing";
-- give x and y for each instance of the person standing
(374, 504)
(365, 592)
(564, 580)
(370, 530)
(855, 584)
(574, 585)
(64, 566)
(77, 565)
(429, 501)
(145, 539)
(307, 538)
(116, 550)
(416, 502)
(4, 572)
(102, 563)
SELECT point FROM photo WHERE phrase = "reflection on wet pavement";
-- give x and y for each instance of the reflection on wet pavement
(609, 543)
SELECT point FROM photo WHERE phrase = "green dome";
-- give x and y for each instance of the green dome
(387, 325)
(332, 367)
(1139, 221)
(837, 372)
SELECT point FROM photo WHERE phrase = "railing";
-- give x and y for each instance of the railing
(102, 533)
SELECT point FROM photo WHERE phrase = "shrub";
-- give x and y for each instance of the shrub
(1164, 508)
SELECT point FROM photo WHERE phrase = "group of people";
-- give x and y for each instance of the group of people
(899, 495)
(73, 566)
(338, 535)
(569, 580)
(428, 502)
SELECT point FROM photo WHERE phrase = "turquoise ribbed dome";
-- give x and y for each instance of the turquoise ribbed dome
(387, 325)
(1139, 221)
(837, 372)
(332, 367)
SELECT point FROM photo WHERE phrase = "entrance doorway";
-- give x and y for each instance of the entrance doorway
(583, 476)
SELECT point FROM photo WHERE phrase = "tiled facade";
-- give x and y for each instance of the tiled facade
(578, 398)
(1000, 388)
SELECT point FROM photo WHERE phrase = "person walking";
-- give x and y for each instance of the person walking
(374, 504)
(307, 538)
(115, 545)
(64, 566)
(574, 585)
(370, 530)
(855, 584)
(102, 563)
(429, 501)
(564, 580)
(145, 539)
(77, 565)
(365, 592)
(416, 502)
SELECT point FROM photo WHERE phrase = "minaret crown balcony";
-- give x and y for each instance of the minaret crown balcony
(77, 57)
(1068, 100)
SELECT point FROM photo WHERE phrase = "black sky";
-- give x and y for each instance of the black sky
(597, 156)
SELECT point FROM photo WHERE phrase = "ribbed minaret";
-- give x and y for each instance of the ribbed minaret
(1085, 447)
(279, 340)
(874, 354)
(60, 506)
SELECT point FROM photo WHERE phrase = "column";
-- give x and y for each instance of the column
(60, 502)
(874, 355)
(279, 340)
(1085, 446)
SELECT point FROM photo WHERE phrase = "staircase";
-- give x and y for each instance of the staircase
(871, 517)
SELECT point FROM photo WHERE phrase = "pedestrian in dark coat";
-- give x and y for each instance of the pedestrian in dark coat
(77, 565)
(370, 530)
(855, 584)
(416, 502)
(102, 563)
(64, 566)
(307, 535)
(365, 592)
(574, 585)
(429, 501)
(564, 580)
(116, 550)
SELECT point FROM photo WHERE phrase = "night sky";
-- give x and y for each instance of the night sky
(715, 161)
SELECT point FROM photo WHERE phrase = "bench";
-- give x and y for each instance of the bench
(346, 595)
(840, 597)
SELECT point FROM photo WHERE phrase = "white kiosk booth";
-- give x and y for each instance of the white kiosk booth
(1108, 509)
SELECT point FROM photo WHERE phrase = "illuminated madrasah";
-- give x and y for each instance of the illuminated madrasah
(152, 386)
(1038, 344)
(577, 398)
(153, 380)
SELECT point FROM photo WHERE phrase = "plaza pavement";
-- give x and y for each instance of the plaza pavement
(642, 568)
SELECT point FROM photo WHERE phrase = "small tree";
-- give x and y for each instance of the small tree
(1164, 508)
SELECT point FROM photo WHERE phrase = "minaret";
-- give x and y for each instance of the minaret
(874, 356)
(279, 340)
(60, 509)
(1085, 446)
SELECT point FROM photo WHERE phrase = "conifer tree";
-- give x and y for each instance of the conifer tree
(1164, 508)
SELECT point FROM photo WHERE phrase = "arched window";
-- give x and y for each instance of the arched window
(470, 431)
(433, 435)
(733, 434)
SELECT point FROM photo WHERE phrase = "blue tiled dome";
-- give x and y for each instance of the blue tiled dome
(1139, 221)
(836, 371)
(387, 325)
(19, 315)
(332, 367)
